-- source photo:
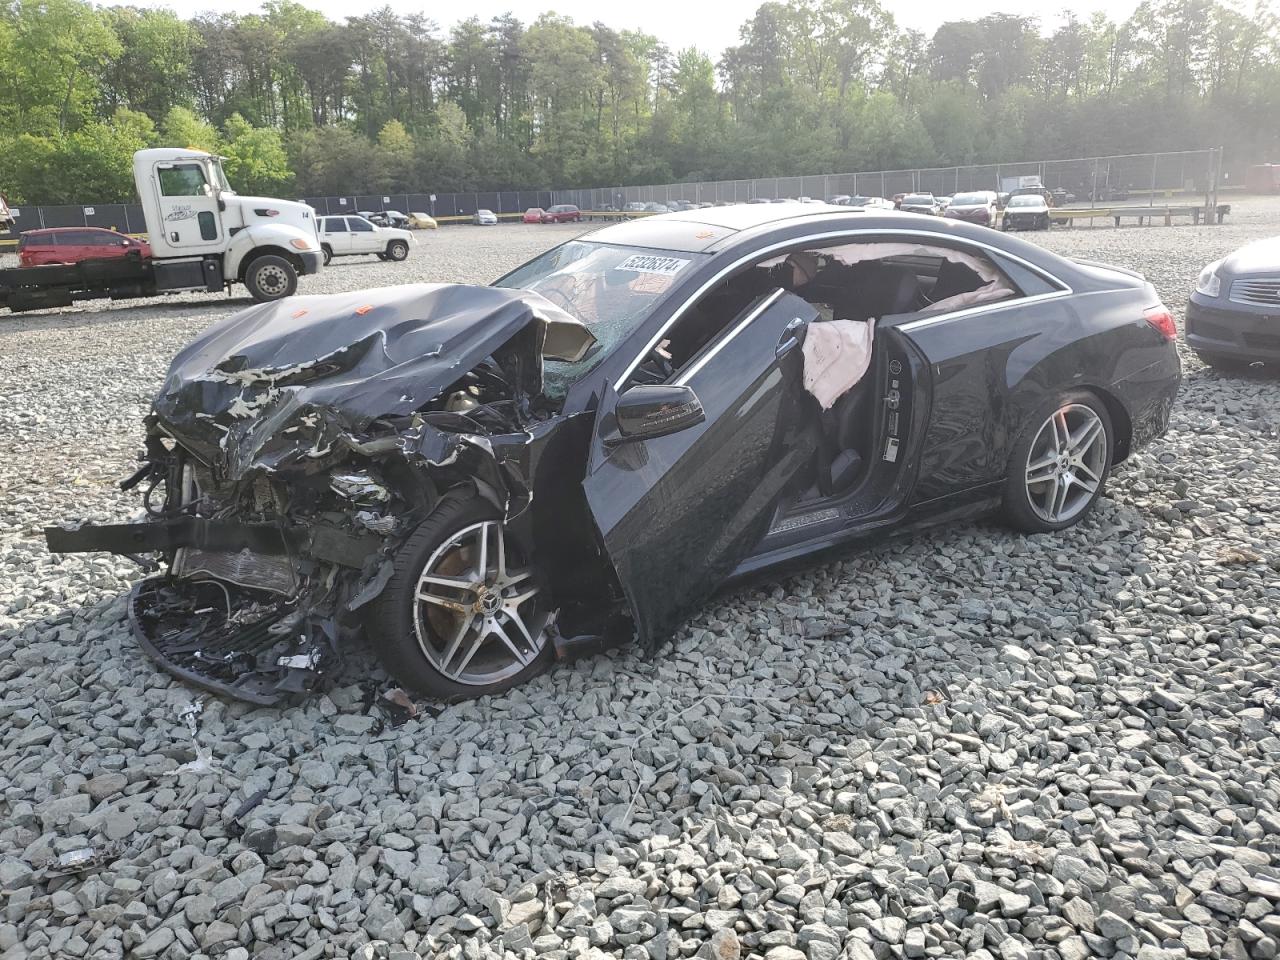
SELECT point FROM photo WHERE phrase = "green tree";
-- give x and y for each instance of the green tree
(182, 128)
(256, 160)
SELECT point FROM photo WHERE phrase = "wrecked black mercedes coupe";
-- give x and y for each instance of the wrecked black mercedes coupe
(480, 478)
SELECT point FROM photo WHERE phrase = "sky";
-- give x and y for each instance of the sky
(709, 26)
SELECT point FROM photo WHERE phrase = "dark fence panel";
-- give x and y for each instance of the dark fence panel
(1141, 178)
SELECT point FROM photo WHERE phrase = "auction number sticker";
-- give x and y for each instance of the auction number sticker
(647, 263)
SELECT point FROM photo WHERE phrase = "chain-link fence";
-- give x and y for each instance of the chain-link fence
(1145, 178)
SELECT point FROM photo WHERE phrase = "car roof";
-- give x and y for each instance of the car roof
(711, 228)
(54, 230)
(796, 222)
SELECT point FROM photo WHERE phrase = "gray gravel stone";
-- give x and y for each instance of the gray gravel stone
(1021, 745)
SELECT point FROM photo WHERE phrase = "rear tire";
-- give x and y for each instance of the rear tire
(425, 629)
(270, 277)
(1059, 465)
(397, 250)
(328, 254)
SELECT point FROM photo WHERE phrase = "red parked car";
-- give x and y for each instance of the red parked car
(562, 213)
(533, 215)
(73, 244)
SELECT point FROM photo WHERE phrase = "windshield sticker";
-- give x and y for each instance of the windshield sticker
(647, 263)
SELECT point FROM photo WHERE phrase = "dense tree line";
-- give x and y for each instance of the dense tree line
(384, 102)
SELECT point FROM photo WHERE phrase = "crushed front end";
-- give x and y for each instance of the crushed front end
(292, 450)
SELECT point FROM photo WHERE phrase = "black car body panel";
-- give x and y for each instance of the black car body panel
(678, 513)
(301, 442)
(1242, 322)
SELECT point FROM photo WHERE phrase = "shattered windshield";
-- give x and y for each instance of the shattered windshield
(609, 288)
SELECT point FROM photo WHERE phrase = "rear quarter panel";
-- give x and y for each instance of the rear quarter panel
(993, 371)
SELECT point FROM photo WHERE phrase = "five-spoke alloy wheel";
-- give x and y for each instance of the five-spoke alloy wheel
(478, 619)
(463, 614)
(1059, 466)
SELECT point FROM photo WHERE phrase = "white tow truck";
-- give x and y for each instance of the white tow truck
(203, 236)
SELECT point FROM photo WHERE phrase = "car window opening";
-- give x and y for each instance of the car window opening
(852, 286)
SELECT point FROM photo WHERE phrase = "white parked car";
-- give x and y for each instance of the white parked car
(484, 218)
(349, 236)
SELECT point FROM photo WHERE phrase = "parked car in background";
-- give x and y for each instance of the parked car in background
(759, 200)
(390, 218)
(356, 236)
(485, 218)
(422, 221)
(1026, 211)
(978, 207)
(562, 213)
(925, 203)
(635, 206)
(1233, 316)
(1041, 192)
(858, 200)
(533, 215)
(75, 244)
(655, 207)
(1061, 196)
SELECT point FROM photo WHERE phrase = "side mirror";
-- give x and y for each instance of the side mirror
(655, 410)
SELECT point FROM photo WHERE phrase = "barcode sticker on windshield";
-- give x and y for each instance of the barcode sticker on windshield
(647, 263)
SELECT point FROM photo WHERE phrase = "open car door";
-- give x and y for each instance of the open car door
(678, 511)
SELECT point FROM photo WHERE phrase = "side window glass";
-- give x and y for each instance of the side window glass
(208, 226)
(359, 225)
(183, 180)
(704, 320)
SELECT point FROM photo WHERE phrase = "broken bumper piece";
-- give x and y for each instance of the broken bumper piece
(226, 641)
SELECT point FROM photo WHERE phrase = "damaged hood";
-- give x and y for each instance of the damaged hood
(315, 366)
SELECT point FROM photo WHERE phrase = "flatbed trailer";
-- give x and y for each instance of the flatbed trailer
(60, 285)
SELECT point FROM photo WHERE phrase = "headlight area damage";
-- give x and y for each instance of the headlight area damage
(296, 445)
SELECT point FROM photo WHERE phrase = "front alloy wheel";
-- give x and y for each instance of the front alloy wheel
(463, 615)
(1059, 469)
(477, 617)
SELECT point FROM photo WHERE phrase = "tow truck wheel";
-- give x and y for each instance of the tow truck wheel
(397, 250)
(328, 254)
(463, 614)
(270, 277)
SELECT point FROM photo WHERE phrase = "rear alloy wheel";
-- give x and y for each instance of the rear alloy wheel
(270, 277)
(397, 250)
(463, 615)
(1059, 466)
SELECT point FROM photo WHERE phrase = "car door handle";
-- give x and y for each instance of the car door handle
(790, 337)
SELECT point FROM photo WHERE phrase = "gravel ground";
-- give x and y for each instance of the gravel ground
(969, 743)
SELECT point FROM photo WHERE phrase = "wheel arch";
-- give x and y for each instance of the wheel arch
(1121, 422)
(257, 252)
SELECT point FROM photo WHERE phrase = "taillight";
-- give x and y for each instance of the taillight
(1162, 320)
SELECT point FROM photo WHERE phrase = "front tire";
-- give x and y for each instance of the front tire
(1058, 468)
(328, 254)
(270, 277)
(462, 616)
(397, 250)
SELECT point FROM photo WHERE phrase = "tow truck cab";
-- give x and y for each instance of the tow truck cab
(203, 236)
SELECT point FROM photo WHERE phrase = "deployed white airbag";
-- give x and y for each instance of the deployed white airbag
(836, 356)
